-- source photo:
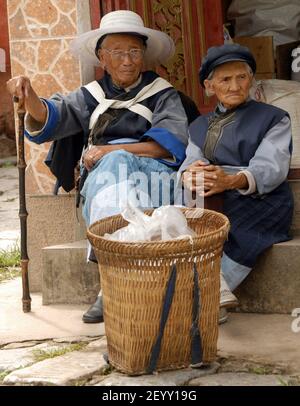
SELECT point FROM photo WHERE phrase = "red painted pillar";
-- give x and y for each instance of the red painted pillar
(4, 38)
(213, 20)
(95, 11)
(100, 7)
(6, 105)
(213, 35)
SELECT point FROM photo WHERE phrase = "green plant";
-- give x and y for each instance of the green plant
(41, 355)
(259, 370)
(81, 382)
(7, 164)
(9, 273)
(283, 382)
(107, 370)
(10, 257)
(10, 263)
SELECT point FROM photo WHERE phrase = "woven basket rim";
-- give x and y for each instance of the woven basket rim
(142, 243)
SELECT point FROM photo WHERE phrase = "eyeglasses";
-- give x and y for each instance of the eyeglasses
(135, 54)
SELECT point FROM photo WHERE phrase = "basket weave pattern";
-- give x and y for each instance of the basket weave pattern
(134, 278)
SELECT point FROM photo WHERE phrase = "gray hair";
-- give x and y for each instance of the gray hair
(211, 75)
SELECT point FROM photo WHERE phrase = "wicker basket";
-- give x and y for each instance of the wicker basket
(134, 279)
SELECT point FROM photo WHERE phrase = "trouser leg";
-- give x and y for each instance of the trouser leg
(233, 273)
(118, 178)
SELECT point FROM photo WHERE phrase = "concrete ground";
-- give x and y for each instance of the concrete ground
(264, 338)
(43, 322)
(267, 342)
(253, 349)
(257, 337)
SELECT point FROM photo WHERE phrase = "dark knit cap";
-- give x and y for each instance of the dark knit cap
(216, 56)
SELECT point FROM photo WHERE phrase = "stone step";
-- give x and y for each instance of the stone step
(65, 370)
(45, 228)
(295, 186)
(273, 286)
(67, 277)
(52, 220)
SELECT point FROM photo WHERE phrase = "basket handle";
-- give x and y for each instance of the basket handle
(164, 317)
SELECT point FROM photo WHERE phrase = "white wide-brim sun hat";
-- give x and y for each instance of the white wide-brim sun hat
(160, 47)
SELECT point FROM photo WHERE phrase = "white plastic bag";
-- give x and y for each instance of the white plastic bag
(166, 223)
(278, 18)
(284, 94)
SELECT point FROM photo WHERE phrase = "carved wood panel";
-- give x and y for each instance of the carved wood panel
(194, 26)
(111, 5)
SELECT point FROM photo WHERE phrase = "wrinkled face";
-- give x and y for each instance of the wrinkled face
(231, 83)
(121, 55)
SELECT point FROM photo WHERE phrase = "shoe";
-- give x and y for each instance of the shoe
(223, 315)
(94, 313)
(227, 298)
(92, 257)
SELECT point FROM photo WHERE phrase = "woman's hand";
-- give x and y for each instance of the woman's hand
(193, 177)
(20, 87)
(208, 180)
(149, 149)
(216, 180)
(92, 156)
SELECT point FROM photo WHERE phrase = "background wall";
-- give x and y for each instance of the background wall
(40, 32)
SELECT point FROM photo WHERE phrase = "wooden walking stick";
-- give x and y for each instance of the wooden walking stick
(26, 299)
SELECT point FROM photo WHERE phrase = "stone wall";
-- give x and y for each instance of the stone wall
(40, 33)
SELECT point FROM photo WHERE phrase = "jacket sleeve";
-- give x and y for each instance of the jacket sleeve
(193, 153)
(66, 116)
(271, 162)
(169, 127)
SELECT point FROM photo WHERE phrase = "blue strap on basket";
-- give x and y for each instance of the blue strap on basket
(195, 333)
(164, 317)
(197, 353)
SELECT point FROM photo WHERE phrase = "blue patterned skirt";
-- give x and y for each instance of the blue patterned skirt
(257, 222)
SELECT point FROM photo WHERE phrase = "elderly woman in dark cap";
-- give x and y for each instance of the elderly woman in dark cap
(243, 151)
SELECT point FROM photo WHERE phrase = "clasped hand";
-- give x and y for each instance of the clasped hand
(206, 179)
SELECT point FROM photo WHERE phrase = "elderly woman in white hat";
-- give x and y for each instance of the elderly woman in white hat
(243, 150)
(131, 121)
